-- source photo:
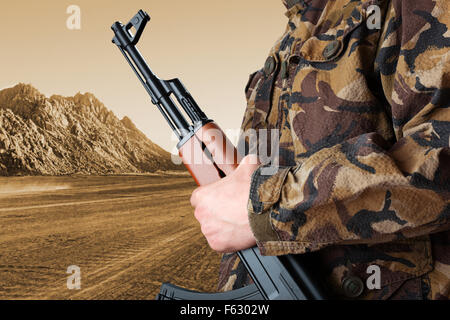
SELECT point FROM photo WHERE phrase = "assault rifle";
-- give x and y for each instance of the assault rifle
(275, 278)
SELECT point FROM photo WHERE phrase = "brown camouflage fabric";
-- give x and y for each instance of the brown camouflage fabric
(364, 120)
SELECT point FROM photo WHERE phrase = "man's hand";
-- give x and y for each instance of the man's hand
(221, 209)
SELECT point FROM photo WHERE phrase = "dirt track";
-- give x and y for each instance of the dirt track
(128, 234)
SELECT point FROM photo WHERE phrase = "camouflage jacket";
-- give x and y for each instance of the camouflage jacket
(364, 130)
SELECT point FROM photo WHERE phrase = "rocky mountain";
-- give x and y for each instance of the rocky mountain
(67, 135)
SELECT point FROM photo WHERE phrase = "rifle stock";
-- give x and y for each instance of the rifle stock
(209, 156)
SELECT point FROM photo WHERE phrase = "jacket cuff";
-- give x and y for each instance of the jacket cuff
(265, 191)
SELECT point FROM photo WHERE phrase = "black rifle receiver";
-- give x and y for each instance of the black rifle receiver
(275, 278)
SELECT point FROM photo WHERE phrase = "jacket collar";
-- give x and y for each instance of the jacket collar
(294, 6)
(291, 3)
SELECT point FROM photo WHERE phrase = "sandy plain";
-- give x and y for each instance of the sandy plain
(127, 234)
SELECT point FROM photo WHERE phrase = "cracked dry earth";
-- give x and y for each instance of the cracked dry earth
(128, 234)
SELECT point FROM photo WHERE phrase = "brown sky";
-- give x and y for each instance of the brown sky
(211, 45)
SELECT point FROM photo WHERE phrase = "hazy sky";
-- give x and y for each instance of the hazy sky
(211, 45)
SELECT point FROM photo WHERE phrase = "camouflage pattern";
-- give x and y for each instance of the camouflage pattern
(364, 146)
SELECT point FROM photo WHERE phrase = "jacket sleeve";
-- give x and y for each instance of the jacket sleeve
(364, 191)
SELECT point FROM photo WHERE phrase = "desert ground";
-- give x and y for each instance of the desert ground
(127, 234)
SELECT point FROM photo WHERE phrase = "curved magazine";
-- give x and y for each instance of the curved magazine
(172, 292)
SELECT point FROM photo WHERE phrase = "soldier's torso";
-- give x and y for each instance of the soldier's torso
(319, 87)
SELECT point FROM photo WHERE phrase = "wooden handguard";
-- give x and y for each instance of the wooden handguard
(223, 159)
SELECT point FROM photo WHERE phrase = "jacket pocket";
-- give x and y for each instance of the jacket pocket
(262, 96)
(382, 271)
(252, 83)
(244, 143)
(402, 267)
(329, 45)
(251, 90)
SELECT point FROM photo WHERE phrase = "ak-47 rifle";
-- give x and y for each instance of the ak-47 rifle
(275, 278)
